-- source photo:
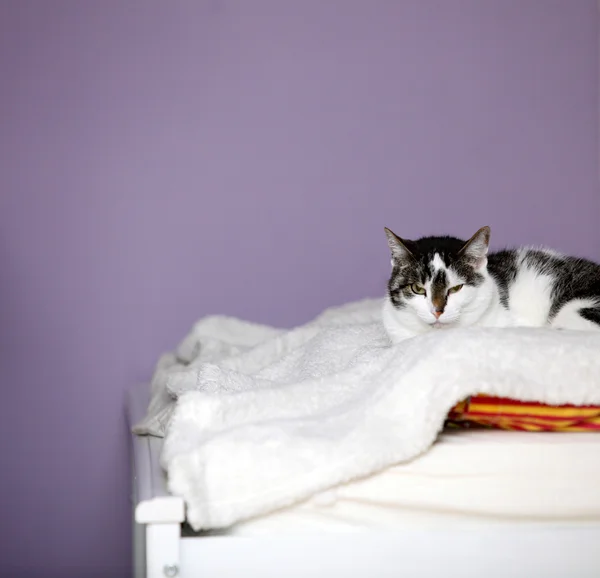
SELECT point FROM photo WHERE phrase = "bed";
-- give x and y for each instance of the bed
(479, 502)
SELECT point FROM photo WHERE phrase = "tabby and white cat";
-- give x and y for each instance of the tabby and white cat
(439, 282)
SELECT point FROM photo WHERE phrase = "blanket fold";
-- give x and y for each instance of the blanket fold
(257, 418)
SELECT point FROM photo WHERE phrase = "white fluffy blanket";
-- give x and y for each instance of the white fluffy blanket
(265, 418)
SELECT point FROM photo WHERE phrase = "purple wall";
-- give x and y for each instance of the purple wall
(165, 160)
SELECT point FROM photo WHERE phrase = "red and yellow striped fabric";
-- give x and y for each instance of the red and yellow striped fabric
(509, 414)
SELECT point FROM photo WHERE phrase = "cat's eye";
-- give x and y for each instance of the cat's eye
(417, 289)
(455, 289)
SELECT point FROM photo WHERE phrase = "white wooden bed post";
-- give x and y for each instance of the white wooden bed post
(162, 518)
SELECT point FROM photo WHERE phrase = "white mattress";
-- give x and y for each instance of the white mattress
(470, 476)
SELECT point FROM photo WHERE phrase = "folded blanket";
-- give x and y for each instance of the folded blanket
(511, 414)
(257, 418)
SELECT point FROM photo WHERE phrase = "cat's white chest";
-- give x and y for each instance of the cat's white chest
(497, 316)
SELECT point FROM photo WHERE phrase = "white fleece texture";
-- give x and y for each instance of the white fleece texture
(265, 418)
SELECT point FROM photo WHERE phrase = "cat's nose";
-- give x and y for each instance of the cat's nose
(438, 313)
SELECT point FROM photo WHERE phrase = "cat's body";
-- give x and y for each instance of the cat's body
(443, 282)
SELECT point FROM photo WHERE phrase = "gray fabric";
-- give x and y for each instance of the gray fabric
(197, 347)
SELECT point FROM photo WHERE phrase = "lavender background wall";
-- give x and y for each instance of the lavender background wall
(165, 160)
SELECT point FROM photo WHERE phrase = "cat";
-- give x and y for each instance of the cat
(444, 282)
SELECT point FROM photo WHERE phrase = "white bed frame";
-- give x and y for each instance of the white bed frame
(483, 550)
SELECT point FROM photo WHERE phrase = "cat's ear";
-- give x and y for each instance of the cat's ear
(476, 248)
(399, 250)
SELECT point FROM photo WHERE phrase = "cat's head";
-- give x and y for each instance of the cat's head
(437, 280)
